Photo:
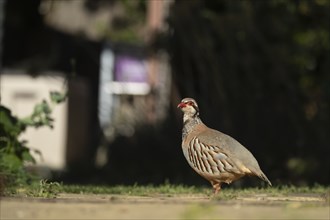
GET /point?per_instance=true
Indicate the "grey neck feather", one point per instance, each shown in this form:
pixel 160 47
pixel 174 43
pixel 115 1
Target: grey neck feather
pixel 189 123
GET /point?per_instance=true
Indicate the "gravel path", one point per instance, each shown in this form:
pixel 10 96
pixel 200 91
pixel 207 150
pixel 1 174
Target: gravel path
pixel 82 206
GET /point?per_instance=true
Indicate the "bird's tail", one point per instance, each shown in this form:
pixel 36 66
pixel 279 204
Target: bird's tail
pixel 262 176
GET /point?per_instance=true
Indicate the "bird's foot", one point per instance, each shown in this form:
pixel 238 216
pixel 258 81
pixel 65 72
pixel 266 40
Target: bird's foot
pixel 216 188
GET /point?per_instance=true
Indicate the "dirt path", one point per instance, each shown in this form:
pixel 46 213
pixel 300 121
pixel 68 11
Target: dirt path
pixel 77 206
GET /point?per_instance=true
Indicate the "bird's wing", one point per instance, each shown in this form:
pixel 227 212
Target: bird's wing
pixel 230 147
pixel 211 158
pixel 222 153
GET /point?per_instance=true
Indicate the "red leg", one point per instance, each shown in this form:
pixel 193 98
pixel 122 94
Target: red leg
pixel 216 187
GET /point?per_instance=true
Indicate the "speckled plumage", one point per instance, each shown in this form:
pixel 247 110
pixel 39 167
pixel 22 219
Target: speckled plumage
pixel 212 154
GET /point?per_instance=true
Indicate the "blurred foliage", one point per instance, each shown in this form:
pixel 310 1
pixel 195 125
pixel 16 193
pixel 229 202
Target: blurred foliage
pixel 261 68
pixel 14 152
pixel 128 26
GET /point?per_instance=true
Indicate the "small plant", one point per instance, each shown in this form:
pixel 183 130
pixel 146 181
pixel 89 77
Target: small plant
pixel 14 153
pixel 46 189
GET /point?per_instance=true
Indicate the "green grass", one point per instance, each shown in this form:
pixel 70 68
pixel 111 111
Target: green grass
pixel 52 189
pixel 182 189
pixel 172 190
pixel 137 190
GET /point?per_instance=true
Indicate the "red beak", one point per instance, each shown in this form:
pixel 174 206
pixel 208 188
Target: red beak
pixel 182 105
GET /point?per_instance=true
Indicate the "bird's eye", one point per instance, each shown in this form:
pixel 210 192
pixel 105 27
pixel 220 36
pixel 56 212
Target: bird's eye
pixel 190 103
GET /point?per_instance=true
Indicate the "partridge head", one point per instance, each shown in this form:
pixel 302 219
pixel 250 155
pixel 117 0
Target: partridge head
pixel 214 155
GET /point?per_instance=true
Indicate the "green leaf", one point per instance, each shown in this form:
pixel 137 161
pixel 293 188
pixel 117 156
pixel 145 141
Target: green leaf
pixel 27 121
pixel 8 123
pixel 45 107
pixel 26 156
pixel 57 97
pixel 38 109
pixel 11 161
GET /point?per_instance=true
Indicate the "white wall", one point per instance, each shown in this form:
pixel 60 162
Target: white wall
pixel 21 93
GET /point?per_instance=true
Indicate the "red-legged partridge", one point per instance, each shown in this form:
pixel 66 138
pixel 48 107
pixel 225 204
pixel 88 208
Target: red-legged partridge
pixel 214 155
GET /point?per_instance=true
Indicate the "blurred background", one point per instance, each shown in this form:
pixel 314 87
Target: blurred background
pixel 259 71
